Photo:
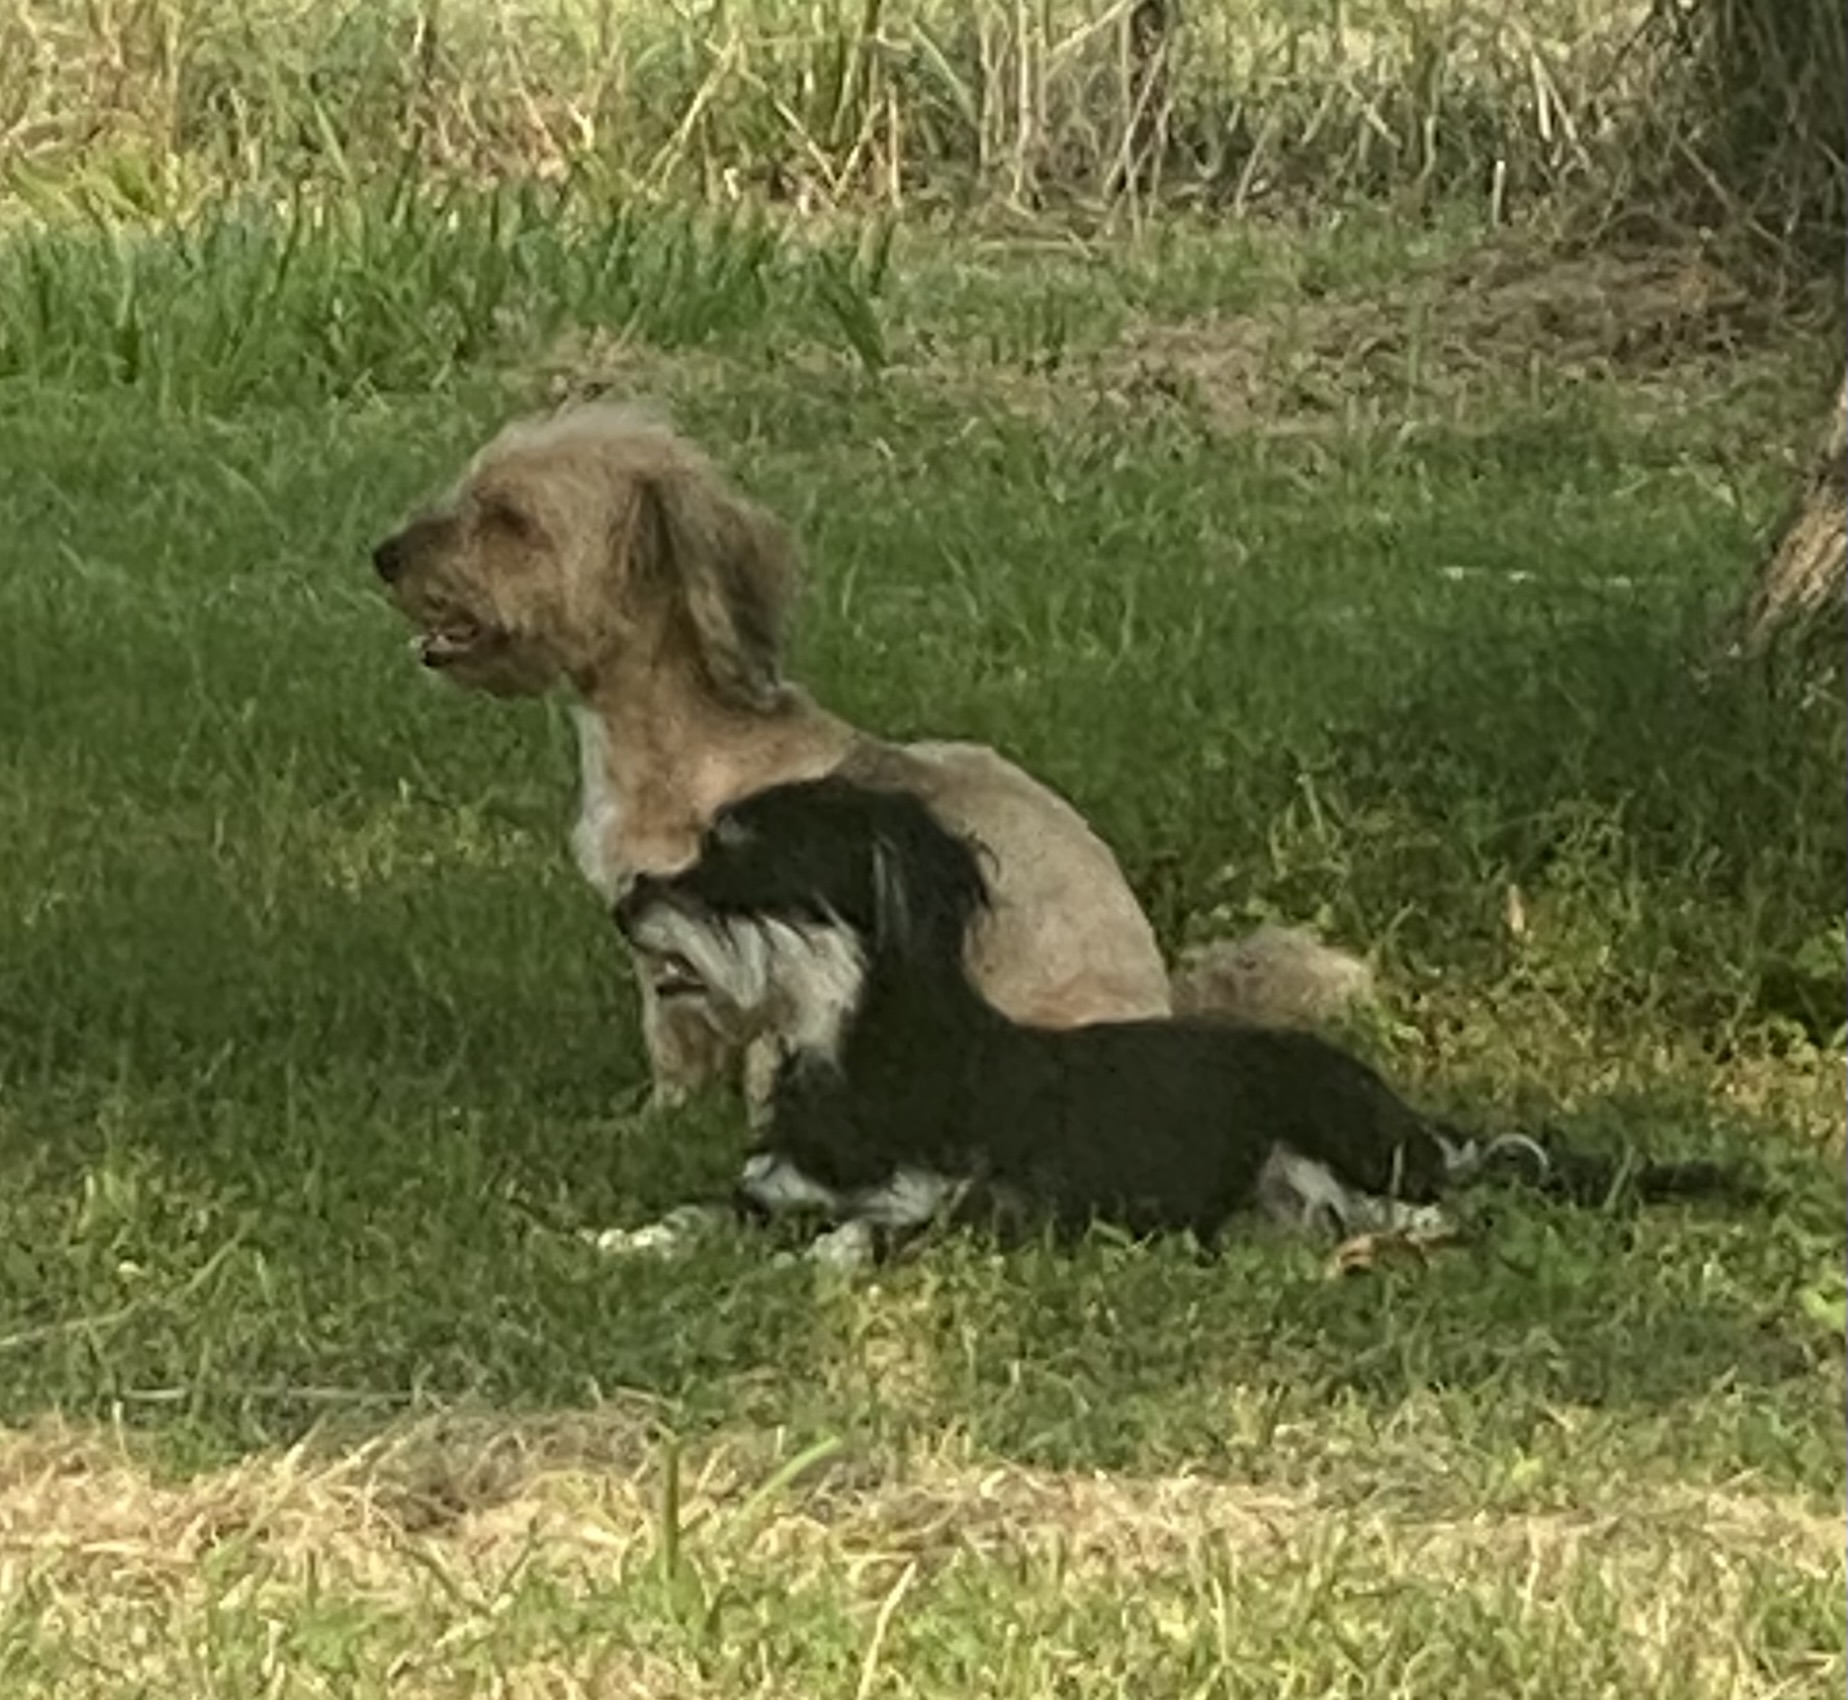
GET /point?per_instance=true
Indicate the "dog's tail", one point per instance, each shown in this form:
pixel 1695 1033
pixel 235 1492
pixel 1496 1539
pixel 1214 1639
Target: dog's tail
pixel 1581 1178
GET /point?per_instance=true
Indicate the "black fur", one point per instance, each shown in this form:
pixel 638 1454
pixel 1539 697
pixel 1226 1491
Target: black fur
pixel 1152 1125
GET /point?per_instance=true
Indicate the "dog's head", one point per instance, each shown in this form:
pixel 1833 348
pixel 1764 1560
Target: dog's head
pixel 578 546
pixel 801 889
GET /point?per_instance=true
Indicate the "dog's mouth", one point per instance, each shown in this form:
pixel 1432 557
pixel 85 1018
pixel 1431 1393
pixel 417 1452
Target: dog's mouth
pixel 655 938
pixel 446 644
pixel 673 976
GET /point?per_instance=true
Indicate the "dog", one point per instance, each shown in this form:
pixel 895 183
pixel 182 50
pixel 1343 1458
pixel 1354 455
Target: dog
pixel 599 550
pixel 836 912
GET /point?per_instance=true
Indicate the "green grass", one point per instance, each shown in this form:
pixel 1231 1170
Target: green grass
pixel 1325 592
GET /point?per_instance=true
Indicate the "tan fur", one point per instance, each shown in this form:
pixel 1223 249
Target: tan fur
pixel 594 541
pixel 601 550
pixel 1276 974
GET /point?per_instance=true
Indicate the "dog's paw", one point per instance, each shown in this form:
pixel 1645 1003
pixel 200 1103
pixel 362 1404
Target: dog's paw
pixel 850 1246
pixel 676 1232
pixel 1428 1222
pixel 666 1096
pixel 1362 1213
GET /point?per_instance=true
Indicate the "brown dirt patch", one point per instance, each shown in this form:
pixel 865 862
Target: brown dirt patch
pixel 1431 345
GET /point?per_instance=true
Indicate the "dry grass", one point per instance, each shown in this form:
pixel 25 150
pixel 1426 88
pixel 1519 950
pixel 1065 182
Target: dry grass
pixel 1443 344
pixel 1106 102
pixel 1716 110
pixel 590 1484
pixel 453 1531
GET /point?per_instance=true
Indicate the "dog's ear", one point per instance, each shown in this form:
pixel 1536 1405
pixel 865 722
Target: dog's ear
pixel 730 565
pixel 894 930
pixel 927 882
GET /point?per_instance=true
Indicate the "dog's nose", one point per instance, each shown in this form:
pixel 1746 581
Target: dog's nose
pixel 388 558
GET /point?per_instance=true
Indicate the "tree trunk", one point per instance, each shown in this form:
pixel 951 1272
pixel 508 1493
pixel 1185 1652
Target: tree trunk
pixel 1806 574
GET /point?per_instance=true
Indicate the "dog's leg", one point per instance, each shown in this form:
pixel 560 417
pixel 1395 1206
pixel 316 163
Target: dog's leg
pixel 686 1050
pixel 773 1184
pixel 763 1062
pixel 883 1219
pixel 769 1186
pixel 1305 1195
pixel 680 1230
pixel 1009 1219
pixel 853 1245
pixel 1300 1194
pixel 876 1220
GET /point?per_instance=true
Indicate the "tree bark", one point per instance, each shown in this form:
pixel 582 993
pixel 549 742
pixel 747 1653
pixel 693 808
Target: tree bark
pixel 1806 574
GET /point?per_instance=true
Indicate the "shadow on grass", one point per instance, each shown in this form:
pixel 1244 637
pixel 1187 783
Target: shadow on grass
pixel 1674 841
pixel 281 1149
pixel 234 1266
pixel 299 1109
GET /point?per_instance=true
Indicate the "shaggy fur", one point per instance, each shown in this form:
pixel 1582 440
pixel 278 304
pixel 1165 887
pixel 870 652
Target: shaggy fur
pixel 600 550
pixel 839 911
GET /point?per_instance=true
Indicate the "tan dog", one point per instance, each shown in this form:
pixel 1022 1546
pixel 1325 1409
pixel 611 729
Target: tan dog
pixel 601 550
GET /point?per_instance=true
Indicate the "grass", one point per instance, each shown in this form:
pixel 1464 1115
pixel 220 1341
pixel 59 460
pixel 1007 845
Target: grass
pixel 1359 575
pixel 1102 101
pixel 562 1574
pixel 1717 116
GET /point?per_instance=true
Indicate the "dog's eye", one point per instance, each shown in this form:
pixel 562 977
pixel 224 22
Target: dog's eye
pixel 508 518
pixel 729 832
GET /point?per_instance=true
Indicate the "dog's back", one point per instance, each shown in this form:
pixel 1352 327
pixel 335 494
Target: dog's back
pixel 1171 1124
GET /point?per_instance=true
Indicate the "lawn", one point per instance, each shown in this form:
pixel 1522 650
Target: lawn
pixel 1361 575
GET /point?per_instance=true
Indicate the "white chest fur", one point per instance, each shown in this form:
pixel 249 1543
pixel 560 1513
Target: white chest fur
pixel 598 832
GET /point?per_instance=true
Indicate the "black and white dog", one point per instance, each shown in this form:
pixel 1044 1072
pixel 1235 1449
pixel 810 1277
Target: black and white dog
pixel 832 917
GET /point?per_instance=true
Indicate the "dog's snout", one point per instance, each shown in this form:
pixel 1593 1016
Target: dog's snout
pixel 389 558
pixel 629 908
